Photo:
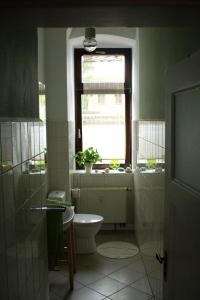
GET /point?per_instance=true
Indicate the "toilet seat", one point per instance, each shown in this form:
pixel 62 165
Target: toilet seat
pixel 87 218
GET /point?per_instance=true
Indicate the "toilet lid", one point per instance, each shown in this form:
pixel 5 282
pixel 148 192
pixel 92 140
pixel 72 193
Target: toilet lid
pixel 87 218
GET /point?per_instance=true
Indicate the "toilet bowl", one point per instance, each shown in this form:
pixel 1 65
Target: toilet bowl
pixel 86 227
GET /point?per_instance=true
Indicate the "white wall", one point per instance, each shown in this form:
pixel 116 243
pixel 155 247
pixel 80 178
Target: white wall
pixel 57 114
pixel 159 49
pixel 41 72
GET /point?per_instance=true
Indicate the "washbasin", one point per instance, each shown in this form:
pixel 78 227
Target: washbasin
pixel 68 216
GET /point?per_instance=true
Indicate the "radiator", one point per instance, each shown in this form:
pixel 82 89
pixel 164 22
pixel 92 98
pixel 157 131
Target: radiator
pixel 109 202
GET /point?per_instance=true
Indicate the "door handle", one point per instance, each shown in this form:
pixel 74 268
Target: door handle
pixel 49 209
pixel 163 260
pixel 160 258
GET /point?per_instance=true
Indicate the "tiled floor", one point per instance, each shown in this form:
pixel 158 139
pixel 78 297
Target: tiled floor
pixel 99 278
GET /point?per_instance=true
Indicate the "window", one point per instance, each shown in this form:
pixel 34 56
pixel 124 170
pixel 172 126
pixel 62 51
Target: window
pixel 103 103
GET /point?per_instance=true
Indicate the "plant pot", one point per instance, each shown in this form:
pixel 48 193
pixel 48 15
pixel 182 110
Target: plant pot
pixel 88 168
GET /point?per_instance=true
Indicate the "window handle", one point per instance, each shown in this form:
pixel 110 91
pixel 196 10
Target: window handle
pixel 79 133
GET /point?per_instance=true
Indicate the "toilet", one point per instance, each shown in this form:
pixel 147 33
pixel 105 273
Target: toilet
pixel 86 226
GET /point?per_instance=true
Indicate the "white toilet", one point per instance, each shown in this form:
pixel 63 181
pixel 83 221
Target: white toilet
pixel 86 226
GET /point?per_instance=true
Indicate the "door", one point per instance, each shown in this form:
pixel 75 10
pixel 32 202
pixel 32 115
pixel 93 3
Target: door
pixel 182 235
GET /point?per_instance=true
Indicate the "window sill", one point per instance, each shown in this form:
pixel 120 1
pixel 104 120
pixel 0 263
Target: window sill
pixel 101 172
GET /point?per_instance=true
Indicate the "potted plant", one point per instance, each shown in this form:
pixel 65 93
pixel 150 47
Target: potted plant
pixel 151 163
pixel 87 158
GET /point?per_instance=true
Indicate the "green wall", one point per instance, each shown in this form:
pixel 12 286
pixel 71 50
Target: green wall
pixel 160 48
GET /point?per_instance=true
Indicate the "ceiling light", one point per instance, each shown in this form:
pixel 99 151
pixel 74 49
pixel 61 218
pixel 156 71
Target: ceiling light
pixel 90 42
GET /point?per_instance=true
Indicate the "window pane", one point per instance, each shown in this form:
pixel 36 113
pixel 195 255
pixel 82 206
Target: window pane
pixel 103 68
pixel 103 125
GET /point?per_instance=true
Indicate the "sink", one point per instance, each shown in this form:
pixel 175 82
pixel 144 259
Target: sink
pixel 68 216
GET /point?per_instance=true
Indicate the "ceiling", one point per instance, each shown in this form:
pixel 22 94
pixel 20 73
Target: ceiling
pixel 108 13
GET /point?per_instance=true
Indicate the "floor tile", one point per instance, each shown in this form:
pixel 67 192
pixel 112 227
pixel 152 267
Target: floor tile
pixel 142 285
pixel 84 294
pixel 87 275
pixel 59 284
pixel 130 293
pixel 138 266
pixel 99 277
pixel 106 286
pixel 84 260
pixel 156 286
pixel 126 275
pixel 112 235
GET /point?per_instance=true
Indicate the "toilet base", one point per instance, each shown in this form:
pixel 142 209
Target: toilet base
pixel 85 245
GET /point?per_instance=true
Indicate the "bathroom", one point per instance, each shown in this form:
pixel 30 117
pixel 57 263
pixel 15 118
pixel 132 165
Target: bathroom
pixel 24 260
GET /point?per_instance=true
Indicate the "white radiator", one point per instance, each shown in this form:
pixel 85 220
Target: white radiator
pixel 109 202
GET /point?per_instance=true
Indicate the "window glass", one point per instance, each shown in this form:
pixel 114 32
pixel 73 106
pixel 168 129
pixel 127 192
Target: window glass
pixel 103 125
pixel 103 68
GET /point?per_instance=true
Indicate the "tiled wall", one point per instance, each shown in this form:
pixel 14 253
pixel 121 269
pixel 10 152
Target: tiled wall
pixel 23 251
pixel 149 220
pixel 57 156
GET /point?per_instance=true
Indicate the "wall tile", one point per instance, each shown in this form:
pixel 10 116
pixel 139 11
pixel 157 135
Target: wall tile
pixel 43 142
pixel 25 183
pixel 6 142
pixel 3 260
pixel 4 287
pixel 149 201
pixel 2 220
pixel 30 289
pixel 12 276
pixel 16 143
pixel 61 129
pixel 61 144
pixel 0 148
pixel 51 129
pixel 18 192
pixel 18 188
pixel 24 141
pixel 35 181
pixel 31 140
pixel 71 144
pixel 8 194
pixel 28 257
pixel 36 127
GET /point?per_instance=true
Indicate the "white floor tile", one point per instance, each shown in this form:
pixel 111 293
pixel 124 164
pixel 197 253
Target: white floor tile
pixel 142 285
pixel 106 286
pixel 130 293
pixel 84 294
pixel 126 275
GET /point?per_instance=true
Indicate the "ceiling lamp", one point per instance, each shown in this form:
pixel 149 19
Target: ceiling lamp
pixel 90 42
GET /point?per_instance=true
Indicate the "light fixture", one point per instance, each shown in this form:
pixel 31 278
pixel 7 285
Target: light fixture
pixel 90 42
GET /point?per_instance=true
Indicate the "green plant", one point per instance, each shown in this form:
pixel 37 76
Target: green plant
pixel 151 163
pixel 89 155
pixel 114 164
pixel 40 164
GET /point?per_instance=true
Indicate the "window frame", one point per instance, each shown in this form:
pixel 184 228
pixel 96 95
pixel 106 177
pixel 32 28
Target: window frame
pixel 78 88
